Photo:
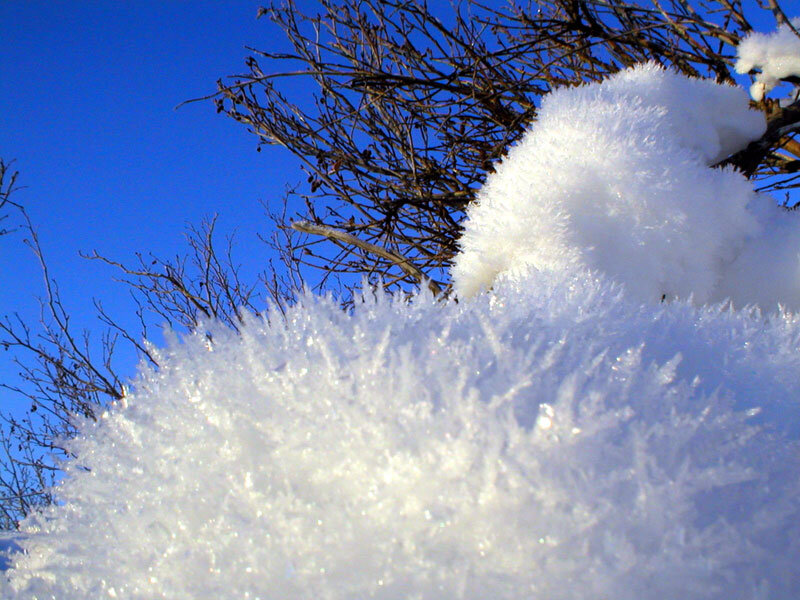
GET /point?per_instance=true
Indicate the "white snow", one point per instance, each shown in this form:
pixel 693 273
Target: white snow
pixel 553 440
pixel 616 177
pixel 567 436
pixel 776 55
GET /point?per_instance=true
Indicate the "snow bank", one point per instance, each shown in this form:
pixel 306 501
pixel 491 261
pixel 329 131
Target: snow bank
pixel 556 439
pixel 615 177
pixel 776 55
pixel 551 441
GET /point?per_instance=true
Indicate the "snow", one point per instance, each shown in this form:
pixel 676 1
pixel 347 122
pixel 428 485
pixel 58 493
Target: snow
pixel 615 177
pixel 554 440
pixel 776 55
pixel 566 436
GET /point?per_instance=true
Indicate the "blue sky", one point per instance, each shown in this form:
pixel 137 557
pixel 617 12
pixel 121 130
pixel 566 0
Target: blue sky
pixel 89 91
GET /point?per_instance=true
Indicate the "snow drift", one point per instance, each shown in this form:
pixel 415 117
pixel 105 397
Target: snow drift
pixel 551 441
pixel 556 439
pixel 616 177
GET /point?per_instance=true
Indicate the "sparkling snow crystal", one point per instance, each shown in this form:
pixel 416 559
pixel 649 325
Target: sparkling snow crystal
pixel 555 439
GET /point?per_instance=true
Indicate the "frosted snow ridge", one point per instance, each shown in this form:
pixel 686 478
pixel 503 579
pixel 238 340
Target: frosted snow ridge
pixel 567 436
pixel 551 441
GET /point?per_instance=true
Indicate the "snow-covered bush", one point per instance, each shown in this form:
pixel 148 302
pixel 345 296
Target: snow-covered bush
pixel 554 440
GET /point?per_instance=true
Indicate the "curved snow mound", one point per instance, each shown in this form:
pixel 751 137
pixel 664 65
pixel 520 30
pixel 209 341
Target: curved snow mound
pixel 615 176
pixel 553 441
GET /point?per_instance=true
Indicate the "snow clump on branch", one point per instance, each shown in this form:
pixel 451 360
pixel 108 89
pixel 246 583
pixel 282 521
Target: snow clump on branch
pixel 616 177
pixel 776 55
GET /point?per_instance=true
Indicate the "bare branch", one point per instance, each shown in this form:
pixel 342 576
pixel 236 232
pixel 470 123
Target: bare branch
pixel 346 238
pixel 8 185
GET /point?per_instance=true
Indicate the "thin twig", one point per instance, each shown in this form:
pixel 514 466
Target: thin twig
pixel 346 238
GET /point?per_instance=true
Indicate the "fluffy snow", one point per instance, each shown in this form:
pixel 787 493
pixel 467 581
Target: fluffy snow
pixel 554 440
pixel 567 436
pixel 615 177
pixel 776 55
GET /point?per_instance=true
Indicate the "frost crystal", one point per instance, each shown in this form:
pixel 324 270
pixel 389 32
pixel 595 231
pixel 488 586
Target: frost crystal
pixel 563 443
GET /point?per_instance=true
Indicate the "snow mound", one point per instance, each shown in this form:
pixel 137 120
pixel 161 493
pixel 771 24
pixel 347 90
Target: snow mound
pixel 551 441
pixel 776 54
pixel 615 176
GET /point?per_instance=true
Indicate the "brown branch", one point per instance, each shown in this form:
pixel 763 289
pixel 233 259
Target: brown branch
pixel 781 122
pixel 780 16
pixel 346 238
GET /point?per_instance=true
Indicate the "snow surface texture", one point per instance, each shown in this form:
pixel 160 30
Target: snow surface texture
pixel 776 55
pixel 615 177
pixel 551 441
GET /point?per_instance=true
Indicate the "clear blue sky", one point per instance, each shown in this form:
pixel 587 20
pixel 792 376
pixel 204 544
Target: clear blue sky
pixel 88 92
